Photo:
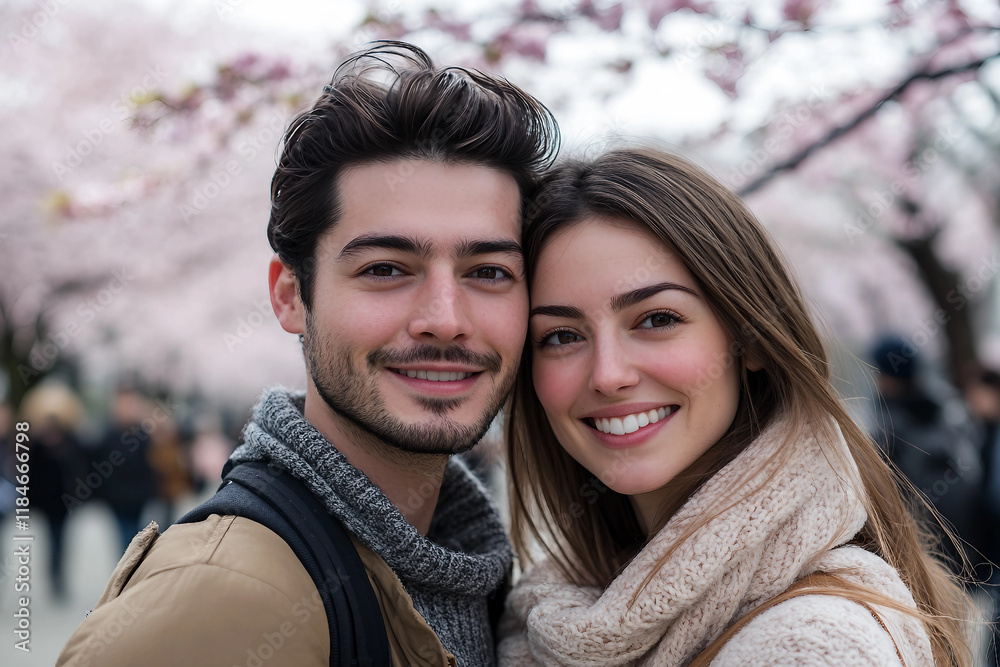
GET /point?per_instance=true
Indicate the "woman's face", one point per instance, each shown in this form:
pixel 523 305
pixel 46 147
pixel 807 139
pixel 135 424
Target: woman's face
pixel 636 374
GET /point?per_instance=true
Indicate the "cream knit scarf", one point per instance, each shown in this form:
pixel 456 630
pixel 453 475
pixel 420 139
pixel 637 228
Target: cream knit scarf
pixel 746 555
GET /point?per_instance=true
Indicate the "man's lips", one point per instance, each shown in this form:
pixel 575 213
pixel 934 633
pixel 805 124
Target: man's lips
pixel 434 375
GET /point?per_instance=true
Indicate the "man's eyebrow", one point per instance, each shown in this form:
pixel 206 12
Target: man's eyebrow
pixel 489 247
pixel 557 311
pixel 386 241
pixel 623 301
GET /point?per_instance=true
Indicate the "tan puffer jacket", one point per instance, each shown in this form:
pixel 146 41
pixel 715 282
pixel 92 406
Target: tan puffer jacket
pixel 227 591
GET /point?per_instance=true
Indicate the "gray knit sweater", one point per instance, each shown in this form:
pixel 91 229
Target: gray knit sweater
pixel 448 573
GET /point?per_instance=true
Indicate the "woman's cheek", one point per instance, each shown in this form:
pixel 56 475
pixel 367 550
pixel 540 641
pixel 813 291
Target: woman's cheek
pixel 551 382
pixel 681 369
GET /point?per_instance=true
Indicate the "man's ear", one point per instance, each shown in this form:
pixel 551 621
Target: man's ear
pixel 285 299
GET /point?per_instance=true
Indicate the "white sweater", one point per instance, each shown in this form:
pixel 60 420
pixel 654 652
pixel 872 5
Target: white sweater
pixel 776 534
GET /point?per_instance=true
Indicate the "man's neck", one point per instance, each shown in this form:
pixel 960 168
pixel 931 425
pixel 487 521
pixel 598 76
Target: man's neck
pixel 410 481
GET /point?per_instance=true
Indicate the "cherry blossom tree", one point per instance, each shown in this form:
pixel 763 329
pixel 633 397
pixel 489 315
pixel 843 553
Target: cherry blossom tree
pixel 864 135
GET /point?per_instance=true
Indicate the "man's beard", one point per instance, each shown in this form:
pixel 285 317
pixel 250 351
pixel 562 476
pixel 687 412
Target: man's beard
pixel 355 394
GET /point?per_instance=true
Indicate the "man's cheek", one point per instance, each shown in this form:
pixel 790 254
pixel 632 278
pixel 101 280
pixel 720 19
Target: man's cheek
pixel 508 326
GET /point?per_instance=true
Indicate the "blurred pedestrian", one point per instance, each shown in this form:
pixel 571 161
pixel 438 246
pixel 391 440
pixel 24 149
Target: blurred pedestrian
pixel 54 413
pixel 123 454
pixel 981 389
pixel 169 457
pixel 982 395
pixel 928 434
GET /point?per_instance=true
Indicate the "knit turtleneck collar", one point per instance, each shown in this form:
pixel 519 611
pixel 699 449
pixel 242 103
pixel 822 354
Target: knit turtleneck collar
pixel 783 527
pixel 466 551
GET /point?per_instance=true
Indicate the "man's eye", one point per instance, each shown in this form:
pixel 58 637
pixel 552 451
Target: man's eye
pixel 383 270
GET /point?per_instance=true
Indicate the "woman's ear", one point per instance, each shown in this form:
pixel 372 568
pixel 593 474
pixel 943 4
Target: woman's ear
pixel 753 359
pixel 285 300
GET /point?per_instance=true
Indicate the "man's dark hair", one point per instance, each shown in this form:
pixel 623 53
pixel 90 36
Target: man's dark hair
pixel 390 102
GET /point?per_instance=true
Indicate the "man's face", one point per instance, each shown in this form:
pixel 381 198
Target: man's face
pixel 419 305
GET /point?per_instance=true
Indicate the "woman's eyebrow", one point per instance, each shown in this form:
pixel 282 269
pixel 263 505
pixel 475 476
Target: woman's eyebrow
pixel 557 311
pixel 618 303
pixel 623 301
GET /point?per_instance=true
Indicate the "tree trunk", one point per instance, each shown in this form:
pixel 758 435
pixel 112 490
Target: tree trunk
pixel 953 309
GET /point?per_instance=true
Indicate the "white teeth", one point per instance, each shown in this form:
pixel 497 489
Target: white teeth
pixel 631 423
pixel 435 376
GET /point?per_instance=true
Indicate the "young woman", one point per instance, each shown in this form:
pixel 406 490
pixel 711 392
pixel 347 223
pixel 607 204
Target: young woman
pixel 677 451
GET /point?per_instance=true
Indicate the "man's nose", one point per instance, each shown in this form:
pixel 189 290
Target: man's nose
pixel 440 311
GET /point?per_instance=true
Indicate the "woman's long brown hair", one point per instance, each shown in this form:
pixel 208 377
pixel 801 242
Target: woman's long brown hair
pixel 591 531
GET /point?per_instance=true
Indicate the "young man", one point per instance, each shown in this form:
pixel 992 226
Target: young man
pixel 396 212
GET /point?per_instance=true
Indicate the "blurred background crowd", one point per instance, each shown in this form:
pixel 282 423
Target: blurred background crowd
pixel 142 454
pixel 139 137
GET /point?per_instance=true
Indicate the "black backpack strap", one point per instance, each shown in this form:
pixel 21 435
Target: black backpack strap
pixel 280 502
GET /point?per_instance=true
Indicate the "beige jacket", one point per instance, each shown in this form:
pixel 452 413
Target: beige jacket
pixel 227 591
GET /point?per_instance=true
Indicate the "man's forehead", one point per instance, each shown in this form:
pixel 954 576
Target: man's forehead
pixel 376 193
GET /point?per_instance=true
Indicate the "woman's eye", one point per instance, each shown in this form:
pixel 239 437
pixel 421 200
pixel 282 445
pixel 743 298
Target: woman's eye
pixel 658 320
pixel 490 273
pixel 557 338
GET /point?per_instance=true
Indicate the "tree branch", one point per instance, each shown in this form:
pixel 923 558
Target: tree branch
pixel 837 132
